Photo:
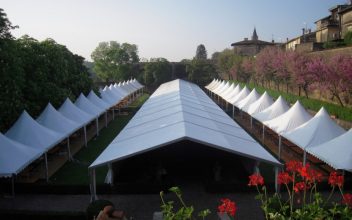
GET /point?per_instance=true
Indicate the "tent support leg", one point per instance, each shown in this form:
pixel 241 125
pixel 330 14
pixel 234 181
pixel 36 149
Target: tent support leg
pixel 85 135
pixel 113 113
pixel 112 174
pixel 68 149
pixel 46 167
pixel 279 154
pixel 106 119
pixel 93 192
pixel 251 123
pixel 13 185
pixel 276 183
pixel 304 157
pixel 233 111
pixel 97 125
pixel 263 132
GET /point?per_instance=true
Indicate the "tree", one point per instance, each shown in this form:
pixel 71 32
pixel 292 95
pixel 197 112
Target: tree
pixel 200 72
pixel 201 53
pixel 157 71
pixel 224 62
pixel 114 61
pixel 5 26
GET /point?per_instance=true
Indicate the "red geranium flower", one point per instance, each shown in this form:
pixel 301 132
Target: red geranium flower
pixel 293 166
pixel 335 179
pixel 300 186
pixel 284 178
pixel 227 206
pixel 347 199
pixel 255 180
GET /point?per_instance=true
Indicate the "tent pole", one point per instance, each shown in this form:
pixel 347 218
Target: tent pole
pixel 106 119
pixel 279 146
pixel 68 149
pixel 263 132
pixel 276 183
pixel 251 122
pixel 46 167
pixel 227 105
pixel 112 174
pixel 233 111
pixel 13 185
pixel 113 113
pixel 97 125
pixel 304 157
pixel 93 192
pixel 85 135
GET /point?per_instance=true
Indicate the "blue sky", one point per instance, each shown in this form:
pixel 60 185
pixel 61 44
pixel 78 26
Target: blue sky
pixel 163 28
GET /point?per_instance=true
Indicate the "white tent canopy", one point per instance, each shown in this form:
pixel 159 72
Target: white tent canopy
pixel 97 101
pixel 233 93
pixel 262 103
pixel 319 129
pixel 228 90
pixel 87 106
pixel 336 152
pixel 252 97
pixel 276 109
pixel 29 132
pixel 211 83
pixel 244 93
pixel 15 156
pixel 69 110
pixel 291 119
pixel 157 124
pixel 54 120
pixel 109 98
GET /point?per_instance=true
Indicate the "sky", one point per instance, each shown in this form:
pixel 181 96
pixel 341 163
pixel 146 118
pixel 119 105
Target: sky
pixel 163 28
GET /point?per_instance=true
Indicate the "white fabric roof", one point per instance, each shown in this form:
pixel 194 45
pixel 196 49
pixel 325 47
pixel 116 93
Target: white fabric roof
pixel 70 111
pixel 291 119
pixel 243 94
pixel 319 129
pixel 233 93
pixel 136 83
pixel 87 106
pixel 228 90
pixel 108 97
pixel 210 84
pixel 262 103
pixel 215 85
pixel 14 156
pixel 219 87
pixel 179 110
pixel 116 92
pixel 55 121
pixel 29 132
pixel 98 101
pixel 276 109
pixel 224 88
pixel 336 152
pixel 252 97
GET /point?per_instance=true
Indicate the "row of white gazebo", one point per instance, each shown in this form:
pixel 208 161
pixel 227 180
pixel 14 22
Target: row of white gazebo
pixel 28 139
pixel 320 136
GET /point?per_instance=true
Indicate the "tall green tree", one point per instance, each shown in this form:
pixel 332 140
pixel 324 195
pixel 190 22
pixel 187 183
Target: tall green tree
pixel 114 61
pixel 157 71
pixel 201 53
pixel 201 72
pixel 5 26
pixel 224 61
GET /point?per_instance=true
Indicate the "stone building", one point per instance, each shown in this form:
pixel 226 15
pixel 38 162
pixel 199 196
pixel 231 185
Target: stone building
pixel 251 47
pixel 345 20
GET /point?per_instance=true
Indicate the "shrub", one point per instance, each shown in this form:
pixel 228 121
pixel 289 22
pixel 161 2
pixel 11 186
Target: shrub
pixel 348 38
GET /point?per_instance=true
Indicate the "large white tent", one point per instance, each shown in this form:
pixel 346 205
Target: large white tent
pixel 336 152
pixel 288 121
pixel 228 90
pixel 262 103
pixel 179 110
pixel 55 121
pixel 319 129
pixel 29 132
pixel 69 110
pixel 241 95
pixel 233 93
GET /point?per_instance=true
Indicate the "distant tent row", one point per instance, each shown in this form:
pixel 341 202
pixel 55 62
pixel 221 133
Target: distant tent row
pixel 28 139
pixel 319 135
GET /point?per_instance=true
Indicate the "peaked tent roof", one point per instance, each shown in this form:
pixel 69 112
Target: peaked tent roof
pixel 179 110
pixel 224 88
pixel 97 101
pixel 262 103
pixel 29 132
pixel 219 87
pixel 291 119
pixel 336 152
pixel 56 121
pixel 228 90
pixel 252 97
pixel 69 110
pixel 319 129
pixel 240 96
pixel 211 83
pixel 108 98
pixel 276 109
pixel 87 106
pixel 15 156
pixel 136 83
pixel 233 93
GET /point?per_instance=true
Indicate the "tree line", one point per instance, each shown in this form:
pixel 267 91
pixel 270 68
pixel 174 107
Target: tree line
pixel 273 67
pixel 34 73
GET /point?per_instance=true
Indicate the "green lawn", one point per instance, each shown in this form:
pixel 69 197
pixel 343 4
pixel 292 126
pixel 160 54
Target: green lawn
pixel 340 112
pixel 76 173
